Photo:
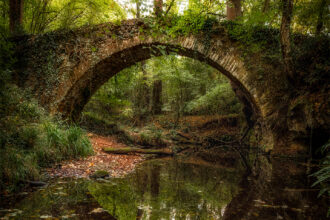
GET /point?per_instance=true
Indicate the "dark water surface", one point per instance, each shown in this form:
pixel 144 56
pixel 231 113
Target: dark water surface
pixel 177 189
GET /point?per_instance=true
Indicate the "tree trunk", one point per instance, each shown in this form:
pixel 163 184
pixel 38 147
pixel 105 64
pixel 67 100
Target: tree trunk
pixel 169 7
pixel 287 6
pixel 157 97
pixel 265 6
pixel 234 9
pixel 158 7
pixel 157 84
pixel 320 18
pixel 138 11
pixel 145 99
pixel 16 16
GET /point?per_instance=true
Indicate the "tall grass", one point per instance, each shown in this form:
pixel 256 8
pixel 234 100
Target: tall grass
pixel 60 142
pixel 37 147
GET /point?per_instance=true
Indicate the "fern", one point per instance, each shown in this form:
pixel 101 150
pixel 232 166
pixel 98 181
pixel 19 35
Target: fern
pixel 323 175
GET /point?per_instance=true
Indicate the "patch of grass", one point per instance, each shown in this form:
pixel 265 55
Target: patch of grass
pixel 37 147
pixel 59 142
pixel 95 123
pixel 145 138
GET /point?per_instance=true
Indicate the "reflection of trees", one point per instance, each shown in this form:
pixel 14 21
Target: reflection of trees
pixel 118 199
pixel 154 180
pixel 59 200
pixel 164 189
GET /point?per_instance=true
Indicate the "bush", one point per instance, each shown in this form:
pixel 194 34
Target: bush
pixel 219 100
pixel 36 146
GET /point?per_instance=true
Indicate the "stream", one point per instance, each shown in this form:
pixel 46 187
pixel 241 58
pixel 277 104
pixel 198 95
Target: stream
pixel 176 188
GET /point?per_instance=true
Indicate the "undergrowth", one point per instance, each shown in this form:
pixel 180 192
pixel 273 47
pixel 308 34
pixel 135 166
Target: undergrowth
pixel 30 139
pixel 323 174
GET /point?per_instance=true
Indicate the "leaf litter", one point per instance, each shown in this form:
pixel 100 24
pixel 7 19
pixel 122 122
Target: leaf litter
pixel 116 165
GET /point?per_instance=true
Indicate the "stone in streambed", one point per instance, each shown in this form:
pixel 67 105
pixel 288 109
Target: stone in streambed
pixel 99 174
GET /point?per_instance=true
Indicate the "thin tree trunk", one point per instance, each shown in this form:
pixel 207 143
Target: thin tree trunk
pixel 169 7
pixel 157 97
pixel 157 84
pixel 287 6
pixel 138 10
pixel 265 6
pixel 143 96
pixel 320 18
pixel 145 99
pixel 234 9
pixel 158 7
pixel 16 16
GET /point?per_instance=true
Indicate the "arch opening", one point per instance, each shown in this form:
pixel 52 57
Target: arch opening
pixel 91 80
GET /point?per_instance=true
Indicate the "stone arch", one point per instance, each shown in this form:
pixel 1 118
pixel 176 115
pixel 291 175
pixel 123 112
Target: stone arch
pixel 78 95
pixel 88 57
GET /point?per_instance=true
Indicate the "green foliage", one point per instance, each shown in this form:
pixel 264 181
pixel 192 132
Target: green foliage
pixel 220 100
pixel 191 22
pixel 323 175
pixel 62 142
pixel 29 138
pixel 69 14
pixel 307 15
pixel 40 16
pixel 28 144
pixel 188 87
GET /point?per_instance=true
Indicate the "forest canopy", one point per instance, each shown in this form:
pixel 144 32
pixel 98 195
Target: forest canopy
pixel 40 16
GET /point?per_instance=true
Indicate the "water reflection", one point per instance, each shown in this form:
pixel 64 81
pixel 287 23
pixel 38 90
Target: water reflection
pixel 179 189
pixel 169 189
pixel 279 190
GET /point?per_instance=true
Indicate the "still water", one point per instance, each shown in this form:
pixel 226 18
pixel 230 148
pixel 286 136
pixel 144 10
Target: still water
pixel 177 189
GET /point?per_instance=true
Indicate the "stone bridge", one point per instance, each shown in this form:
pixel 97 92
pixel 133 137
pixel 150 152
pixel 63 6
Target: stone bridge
pixel 64 69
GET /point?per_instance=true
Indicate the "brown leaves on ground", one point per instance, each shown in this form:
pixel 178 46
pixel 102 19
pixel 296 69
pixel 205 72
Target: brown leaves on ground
pixel 116 165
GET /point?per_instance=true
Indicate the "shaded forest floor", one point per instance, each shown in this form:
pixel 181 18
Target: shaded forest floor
pixel 114 165
pixel 165 131
pixel 201 136
pixel 190 135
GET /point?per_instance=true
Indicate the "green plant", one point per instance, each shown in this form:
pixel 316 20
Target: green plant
pixel 145 138
pixel 323 175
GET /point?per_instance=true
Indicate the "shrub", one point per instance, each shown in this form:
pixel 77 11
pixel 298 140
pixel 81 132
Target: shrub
pixel 219 100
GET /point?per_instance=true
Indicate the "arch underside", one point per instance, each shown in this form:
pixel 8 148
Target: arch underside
pixel 81 91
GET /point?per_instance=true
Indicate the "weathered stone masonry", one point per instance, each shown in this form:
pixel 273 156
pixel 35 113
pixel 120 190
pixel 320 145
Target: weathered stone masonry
pixel 65 69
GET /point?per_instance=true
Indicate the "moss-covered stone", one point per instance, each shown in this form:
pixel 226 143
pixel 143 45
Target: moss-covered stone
pixel 99 174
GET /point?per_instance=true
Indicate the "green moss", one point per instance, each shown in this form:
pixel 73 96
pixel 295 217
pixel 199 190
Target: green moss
pixel 99 174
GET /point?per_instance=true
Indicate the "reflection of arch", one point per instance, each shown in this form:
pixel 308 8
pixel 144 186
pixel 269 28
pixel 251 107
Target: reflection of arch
pixel 273 193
